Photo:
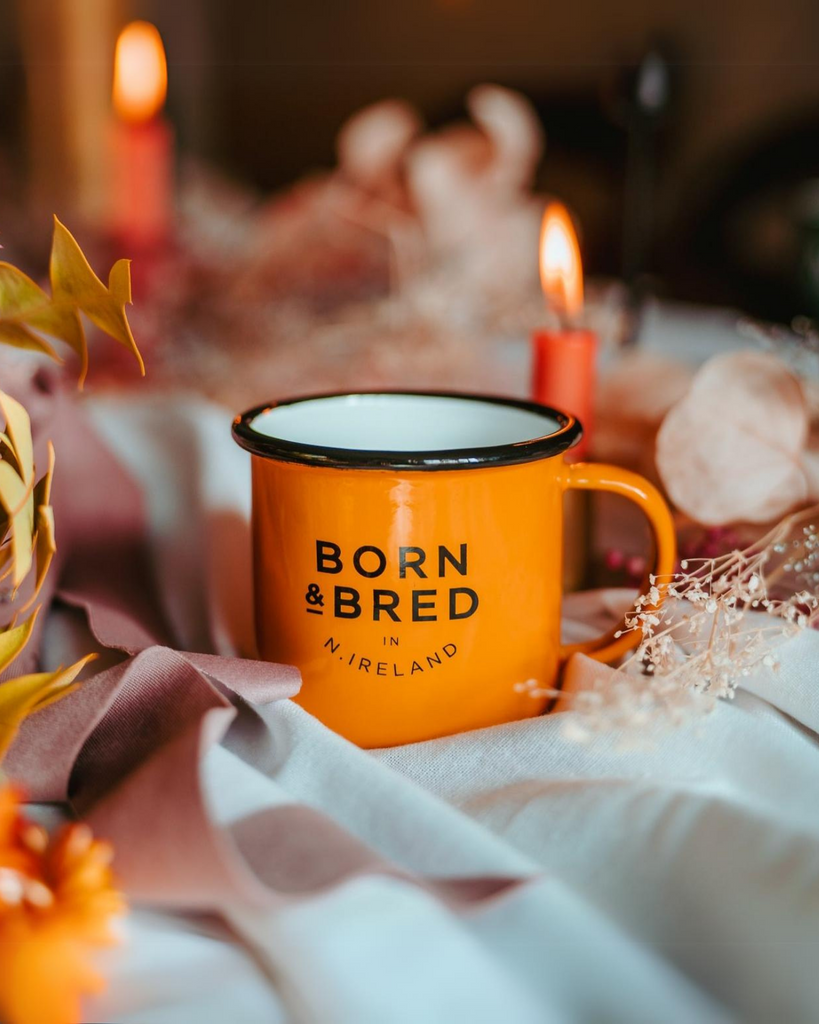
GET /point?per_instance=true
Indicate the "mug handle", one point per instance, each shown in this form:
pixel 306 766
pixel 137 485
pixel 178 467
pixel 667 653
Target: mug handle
pixel 588 476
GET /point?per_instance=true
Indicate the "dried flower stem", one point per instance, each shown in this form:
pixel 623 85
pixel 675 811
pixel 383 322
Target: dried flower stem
pixel 709 634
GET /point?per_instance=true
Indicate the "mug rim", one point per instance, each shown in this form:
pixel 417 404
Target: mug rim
pixel 509 454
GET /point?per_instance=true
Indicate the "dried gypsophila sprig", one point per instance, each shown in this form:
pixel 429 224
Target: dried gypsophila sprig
pixel 721 621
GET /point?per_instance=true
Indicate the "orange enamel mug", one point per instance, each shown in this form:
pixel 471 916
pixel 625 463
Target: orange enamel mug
pixel 407 555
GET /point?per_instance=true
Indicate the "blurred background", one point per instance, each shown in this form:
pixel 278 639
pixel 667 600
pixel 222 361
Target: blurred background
pixel 685 136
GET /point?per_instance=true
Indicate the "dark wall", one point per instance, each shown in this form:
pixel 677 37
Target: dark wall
pixel 261 86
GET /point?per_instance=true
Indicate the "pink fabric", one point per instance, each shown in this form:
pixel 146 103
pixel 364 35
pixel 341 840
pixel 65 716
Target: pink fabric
pixel 128 746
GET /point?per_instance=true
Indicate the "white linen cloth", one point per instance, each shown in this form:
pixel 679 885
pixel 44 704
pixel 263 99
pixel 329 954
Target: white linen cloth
pixel 679 883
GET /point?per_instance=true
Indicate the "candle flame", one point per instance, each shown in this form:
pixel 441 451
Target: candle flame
pixel 561 271
pixel 140 72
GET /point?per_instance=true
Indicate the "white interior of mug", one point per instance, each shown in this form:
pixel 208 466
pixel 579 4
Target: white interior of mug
pixel 402 423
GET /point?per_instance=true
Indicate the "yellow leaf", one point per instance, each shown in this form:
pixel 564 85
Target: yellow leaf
pixel 18 433
pixel 45 546
pixel 24 695
pixel 6 562
pixel 25 305
pixel 43 541
pixel 18 293
pixel 119 282
pixel 7 451
pixel 12 641
pixel 19 336
pixel 18 501
pixel 42 492
pixel 74 282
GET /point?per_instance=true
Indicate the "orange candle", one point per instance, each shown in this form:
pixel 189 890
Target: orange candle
pixel 565 358
pixel 142 141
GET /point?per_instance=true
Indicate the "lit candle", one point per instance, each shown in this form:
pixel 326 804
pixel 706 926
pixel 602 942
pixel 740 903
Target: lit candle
pixel 565 358
pixel 142 158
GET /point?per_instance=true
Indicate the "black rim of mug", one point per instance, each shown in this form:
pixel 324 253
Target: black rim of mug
pixel 514 453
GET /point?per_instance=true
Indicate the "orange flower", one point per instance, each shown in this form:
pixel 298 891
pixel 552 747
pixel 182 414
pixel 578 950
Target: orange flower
pixel 57 903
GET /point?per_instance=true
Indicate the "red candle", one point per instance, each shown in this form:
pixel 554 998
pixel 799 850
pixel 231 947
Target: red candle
pixel 564 358
pixel 142 141
pixel 563 375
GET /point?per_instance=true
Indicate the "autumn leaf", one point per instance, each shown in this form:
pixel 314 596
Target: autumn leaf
pixel 27 534
pixel 27 311
pixel 17 335
pixel 45 544
pixel 18 432
pixel 24 695
pixel 74 283
pixel 22 500
pixel 12 641
pixel 16 501
pixel 17 490
pixel 25 308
